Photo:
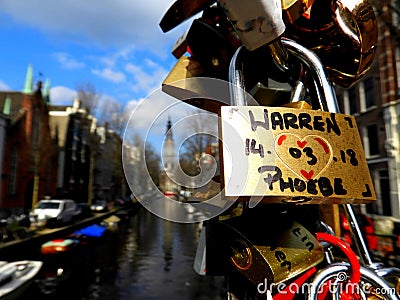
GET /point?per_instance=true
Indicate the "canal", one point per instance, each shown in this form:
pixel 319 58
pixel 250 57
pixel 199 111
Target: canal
pixel 146 257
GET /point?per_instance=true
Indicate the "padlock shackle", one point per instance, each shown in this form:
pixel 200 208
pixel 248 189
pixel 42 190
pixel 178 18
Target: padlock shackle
pixel 327 100
pixel 329 103
pixel 326 95
pixel 324 89
pixel 236 87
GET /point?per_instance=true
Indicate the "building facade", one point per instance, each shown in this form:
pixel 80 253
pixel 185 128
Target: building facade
pixel 169 162
pixel 109 182
pixel 73 129
pixel 375 103
pixel 30 155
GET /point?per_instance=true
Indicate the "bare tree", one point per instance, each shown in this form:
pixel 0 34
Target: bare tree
pixel 89 96
pixel 112 113
pixel 201 132
pixel 145 160
pixel 106 110
pixel 153 163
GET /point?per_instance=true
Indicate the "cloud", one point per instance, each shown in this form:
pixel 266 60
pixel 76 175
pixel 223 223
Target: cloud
pixel 110 75
pixel 148 116
pixel 146 78
pixel 109 23
pixel 67 62
pixel 61 95
pixel 4 86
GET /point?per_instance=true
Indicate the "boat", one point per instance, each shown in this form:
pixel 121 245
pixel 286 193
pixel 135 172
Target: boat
pixel 111 222
pixel 92 231
pixel 58 246
pixel 16 277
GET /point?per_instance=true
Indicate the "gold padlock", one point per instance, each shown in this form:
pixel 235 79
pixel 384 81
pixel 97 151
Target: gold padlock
pixel 293 155
pixel 274 257
pixel 185 83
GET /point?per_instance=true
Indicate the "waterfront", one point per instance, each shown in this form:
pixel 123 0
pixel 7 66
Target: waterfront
pixel 145 258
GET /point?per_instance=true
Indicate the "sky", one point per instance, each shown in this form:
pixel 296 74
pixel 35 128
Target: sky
pixel 116 45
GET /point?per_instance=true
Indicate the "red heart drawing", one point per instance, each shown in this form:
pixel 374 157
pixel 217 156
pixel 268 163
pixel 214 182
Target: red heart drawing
pixel 301 144
pixel 307 157
pixel 307 175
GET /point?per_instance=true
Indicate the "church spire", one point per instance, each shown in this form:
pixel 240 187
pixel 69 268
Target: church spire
pixel 46 92
pixel 168 132
pixel 28 87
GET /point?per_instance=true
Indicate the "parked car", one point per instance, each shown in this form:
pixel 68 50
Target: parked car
pixel 99 206
pixel 85 211
pixel 54 212
pixel 14 224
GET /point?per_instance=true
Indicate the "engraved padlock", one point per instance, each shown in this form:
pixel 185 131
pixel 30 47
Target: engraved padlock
pixel 285 154
pixel 257 22
pixel 273 256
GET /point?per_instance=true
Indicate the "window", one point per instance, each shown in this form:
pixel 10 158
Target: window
pixel 48 178
pixel 371 140
pixel 369 93
pixel 342 103
pixel 48 205
pixel 397 55
pixel 12 187
pixel 384 187
pixel 352 100
pixel 395 14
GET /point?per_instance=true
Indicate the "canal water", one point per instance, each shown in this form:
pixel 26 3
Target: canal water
pixel 145 258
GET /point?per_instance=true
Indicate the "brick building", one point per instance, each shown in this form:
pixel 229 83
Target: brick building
pixel 375 103
pixel 29 163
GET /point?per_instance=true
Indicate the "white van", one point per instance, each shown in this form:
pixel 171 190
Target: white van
pixel 53 212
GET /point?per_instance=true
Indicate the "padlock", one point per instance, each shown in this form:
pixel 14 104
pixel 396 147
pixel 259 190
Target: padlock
pixel 262 255
pixel 292 10
pixel 257 22
pixel 291 155
pixel 180 46
pixel 180 11
pixel 185 83
pixel 210 48
pixel 270 96
pixel 344 34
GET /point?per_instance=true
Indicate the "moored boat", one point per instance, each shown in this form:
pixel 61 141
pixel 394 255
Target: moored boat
pixel 16 277
pixel 58 246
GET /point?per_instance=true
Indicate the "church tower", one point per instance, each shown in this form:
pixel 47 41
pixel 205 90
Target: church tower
pixel 169 161
pixel 168 154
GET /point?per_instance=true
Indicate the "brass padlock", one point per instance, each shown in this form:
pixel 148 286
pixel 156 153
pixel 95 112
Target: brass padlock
pixel 184 82
pixel 275 256
pixel 277 154
pixel 294 155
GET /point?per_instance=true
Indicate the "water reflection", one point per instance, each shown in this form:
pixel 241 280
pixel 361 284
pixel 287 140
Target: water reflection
pixel 151 259
pixel 145 258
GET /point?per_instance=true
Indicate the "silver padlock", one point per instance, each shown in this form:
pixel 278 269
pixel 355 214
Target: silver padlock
pixel 257 22
pixel 324 90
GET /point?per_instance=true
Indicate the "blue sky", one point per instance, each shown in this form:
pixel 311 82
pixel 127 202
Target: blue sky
pixel 116 45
